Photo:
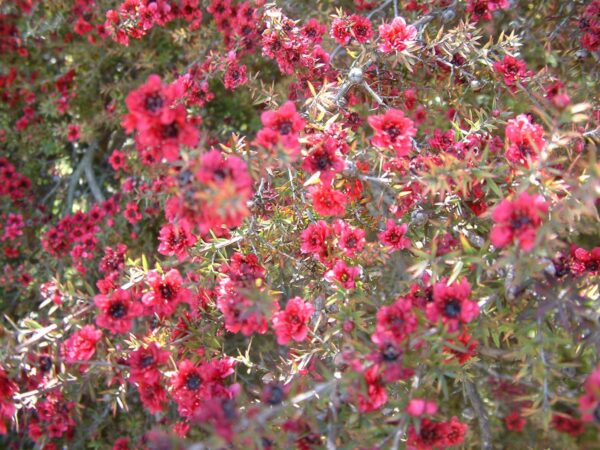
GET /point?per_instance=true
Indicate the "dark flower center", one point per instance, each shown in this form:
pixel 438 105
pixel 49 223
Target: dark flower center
pixel 192 382
pixel 45 363
pixel 323 162
pixel 276 395
pixel 285 127
pixel 361 30
pixel 390 353
pixel 520 221
pixel 154 102
pixel 221 173
pixel 351 242
pixel 147 361
pixel 452 308
pixel 392 131
pixel 170 131
pixel 166 291
pixel 117 310
pixel 597 414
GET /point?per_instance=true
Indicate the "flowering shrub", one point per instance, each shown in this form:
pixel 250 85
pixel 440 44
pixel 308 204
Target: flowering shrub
pixel 368 224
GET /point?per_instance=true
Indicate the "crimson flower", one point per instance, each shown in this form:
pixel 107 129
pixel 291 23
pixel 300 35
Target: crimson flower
pixel 118 311
pixel 343 274
pixel 518 220
pixel 451 304
pixel 166 292
pixel 327 201
pixel 394 236
pixel 144 362
pixel 291 323
pixel 394 130
pixel 81 345
pixel 396 36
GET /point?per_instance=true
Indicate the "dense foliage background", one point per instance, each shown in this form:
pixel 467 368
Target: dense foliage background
pixel 317 224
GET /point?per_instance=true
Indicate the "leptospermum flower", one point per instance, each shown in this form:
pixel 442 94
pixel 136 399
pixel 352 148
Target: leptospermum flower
pixel 81 345
pixel 436 434
pixel 452 304
pixel 176 239
pixel 394 323
pixel 396 36
pixel 393 130
pixel 327 201
pixel 118 311
pixel 144 362
pixel 589 402
pixel 518 220
pixel 394 236
pixel 343 274
pixel 166 292
pixel 291 323
pixel 282 125
pixel 526 139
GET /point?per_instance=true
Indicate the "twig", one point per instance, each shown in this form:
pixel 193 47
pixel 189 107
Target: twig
pixel 89 173
pixel 482 417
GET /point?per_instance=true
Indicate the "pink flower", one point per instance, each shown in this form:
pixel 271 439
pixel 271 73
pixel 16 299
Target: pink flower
pixel 314 238
pixel 143 363
pixel 518 220
pixel 394 323
pixel 452 304
pixel 589 402
pixel 118 311
pixel 394 236
pixel 526 139
pixel 327 201
pixel 286 123
pixel 81 345
pixel 166 292
pixel 396 36
pixel 343 274
pixel 73 132
pixel 176 239
pixel 376 395
pixel 350 239
pixel 418 407
pixel 291 323
pixel 513 70
pixel 482 9
pixel 394 130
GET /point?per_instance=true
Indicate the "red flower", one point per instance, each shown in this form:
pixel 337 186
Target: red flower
pixel 344 29
pixel 466 348
pixel 7 408
pixel 193 384
pixel 396 36
pixel 589 402
pixel 118 311
pixel 144 362
pixel 376 395
pixel 166 292
pixel 567 424
pixel 73 132
pixel 350 239
pixel 325 158
pixel 513 70
pixel 394 130
pixel 132 213
pixel 285 123
pixel 482 9
pixel 314 238
pixel 117 160
pixel 291 323
pixel 452 304
pixel 153 396
pixel 394 236
pixel 327 201
pixel 583 261
pixel 235 75
pixel 518 220
pixel 526 140
pixel 394 323
pixel 81 345
pixel 436 434
pixel 515 422
pixel 176 239
pixel 343 274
